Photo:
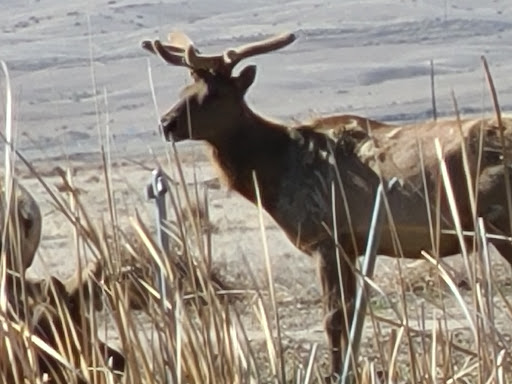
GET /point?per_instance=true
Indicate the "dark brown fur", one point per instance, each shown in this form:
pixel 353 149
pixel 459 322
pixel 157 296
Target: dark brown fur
pixel 298 168
pixel 59 314
pixel 24 228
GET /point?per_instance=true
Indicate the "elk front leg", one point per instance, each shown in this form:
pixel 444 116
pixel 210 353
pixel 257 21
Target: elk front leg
pixel 337 303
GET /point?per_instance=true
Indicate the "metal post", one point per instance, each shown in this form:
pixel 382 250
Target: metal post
pixel 367 269
pixel 156 190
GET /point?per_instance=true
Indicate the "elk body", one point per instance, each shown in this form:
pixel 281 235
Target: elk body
pixel 318 180
pixel 59 313
pixel 54 311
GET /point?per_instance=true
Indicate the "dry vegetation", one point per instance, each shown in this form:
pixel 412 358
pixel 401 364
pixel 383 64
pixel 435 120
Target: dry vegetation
pixel 430 328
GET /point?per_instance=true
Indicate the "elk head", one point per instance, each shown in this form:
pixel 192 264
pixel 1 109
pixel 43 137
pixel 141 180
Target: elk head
pixel 213 103
pixel 22 224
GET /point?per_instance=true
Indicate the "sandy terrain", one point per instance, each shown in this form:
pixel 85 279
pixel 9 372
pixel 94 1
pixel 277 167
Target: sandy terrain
pixel 370 58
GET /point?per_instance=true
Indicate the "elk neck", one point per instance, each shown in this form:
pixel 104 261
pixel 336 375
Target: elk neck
pixel 257 146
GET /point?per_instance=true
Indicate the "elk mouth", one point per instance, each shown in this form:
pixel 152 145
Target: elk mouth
pixel 170 130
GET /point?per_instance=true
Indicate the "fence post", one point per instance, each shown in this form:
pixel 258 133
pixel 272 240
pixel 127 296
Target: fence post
pixel 156 190
pixel 367 268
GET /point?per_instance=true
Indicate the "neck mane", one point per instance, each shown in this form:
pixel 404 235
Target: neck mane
pixel 254 145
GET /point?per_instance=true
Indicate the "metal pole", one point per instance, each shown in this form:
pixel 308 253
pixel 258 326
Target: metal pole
pixel 156 190
pixel 367 269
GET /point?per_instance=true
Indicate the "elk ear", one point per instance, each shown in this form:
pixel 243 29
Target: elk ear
pixel 246 78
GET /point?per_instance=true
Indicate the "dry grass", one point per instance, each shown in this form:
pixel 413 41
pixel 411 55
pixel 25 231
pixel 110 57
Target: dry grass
pixel 200 334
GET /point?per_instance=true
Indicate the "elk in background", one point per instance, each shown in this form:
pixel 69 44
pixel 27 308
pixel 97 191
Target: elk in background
pixel 318 180
pixel 57 312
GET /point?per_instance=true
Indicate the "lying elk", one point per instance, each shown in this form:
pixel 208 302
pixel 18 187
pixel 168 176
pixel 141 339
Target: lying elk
pixel 304 171
pixel 58 313
pixel 23 229
pixel 54 311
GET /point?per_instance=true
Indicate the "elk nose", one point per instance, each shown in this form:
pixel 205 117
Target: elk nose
pixel 166 123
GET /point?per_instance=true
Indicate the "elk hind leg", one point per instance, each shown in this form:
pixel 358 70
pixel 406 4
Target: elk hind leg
pixel 337 302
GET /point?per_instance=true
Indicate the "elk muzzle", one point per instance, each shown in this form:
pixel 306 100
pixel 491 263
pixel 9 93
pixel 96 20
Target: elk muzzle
pixel 169 126
pixel 173 128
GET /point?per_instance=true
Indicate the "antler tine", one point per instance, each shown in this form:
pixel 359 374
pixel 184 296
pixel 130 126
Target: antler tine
pixel 233 56
pixel 148 46
pixel 179 39
pixel 169 53
pixel 197 61
pixel 173 50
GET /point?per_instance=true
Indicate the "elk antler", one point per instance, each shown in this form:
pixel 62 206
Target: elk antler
pixel 172 51
pixel 234 56
pixel 179 40
pixel 167 52
pixel 179 50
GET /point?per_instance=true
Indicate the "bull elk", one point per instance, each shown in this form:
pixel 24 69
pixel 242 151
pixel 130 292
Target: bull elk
pixel 318 179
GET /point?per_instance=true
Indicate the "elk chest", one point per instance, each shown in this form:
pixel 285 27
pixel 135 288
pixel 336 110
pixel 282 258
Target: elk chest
pixel 321 184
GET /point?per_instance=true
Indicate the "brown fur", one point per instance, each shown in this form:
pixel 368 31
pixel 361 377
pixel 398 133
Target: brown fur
pixel 297 169
pixel 57 312
pixel 24 232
